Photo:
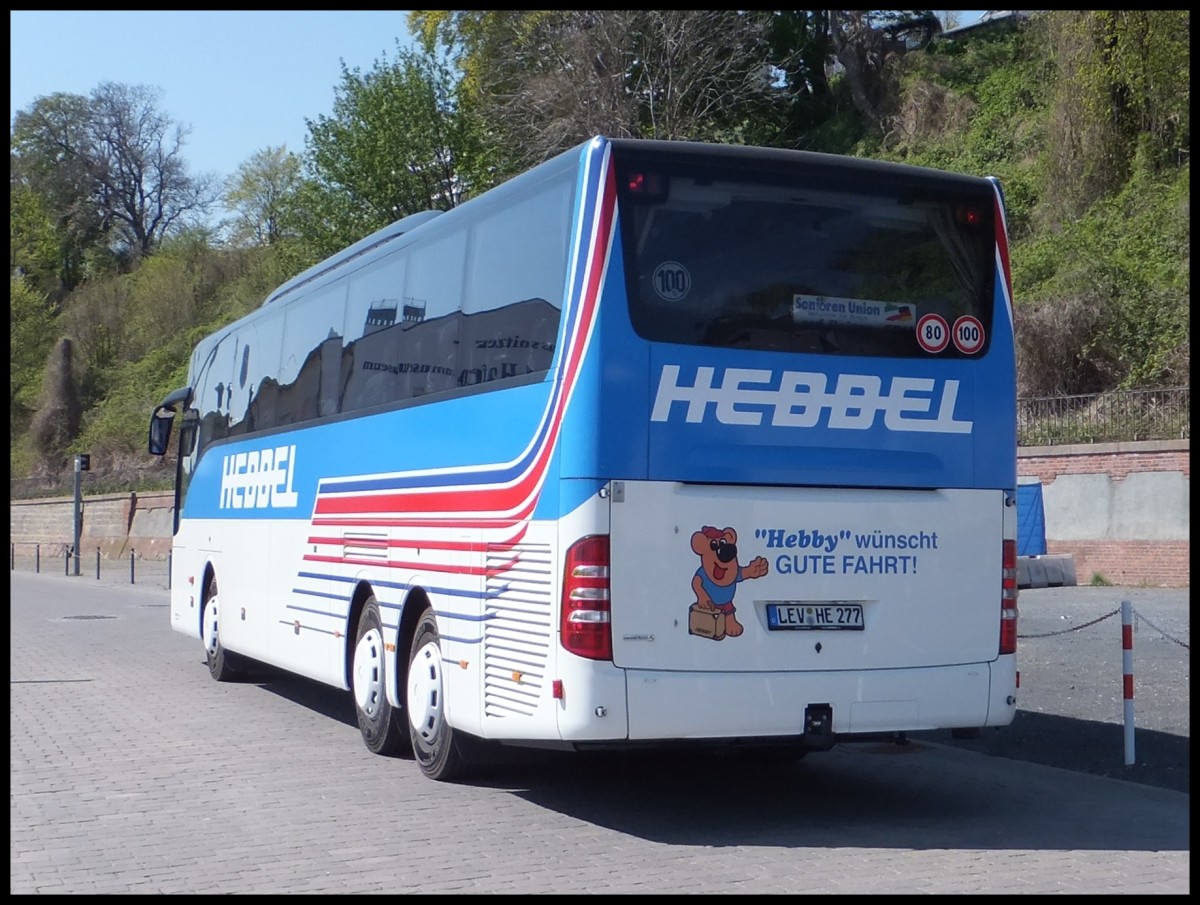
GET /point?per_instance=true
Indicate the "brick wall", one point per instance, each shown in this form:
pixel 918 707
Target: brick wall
pixel 116 524
pixel 1115 552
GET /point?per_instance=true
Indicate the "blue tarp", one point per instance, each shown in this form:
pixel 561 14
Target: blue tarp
pixel 1031 521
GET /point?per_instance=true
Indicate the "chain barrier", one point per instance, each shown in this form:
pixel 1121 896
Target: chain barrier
pixel 1138 617
pixel 1073 628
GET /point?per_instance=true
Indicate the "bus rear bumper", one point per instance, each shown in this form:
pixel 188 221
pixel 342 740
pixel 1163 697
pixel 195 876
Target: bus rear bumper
pixel 748 705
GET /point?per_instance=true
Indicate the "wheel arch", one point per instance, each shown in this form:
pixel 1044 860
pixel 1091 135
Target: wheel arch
pixel 363 591
pixel 416 601
pixel 206 582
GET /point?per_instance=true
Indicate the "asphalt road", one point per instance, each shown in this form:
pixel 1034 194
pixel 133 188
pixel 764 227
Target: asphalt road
pixel 131 771
pixel 1071 705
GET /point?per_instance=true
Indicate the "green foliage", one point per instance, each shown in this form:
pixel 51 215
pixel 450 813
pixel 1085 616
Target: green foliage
pixel 33 242
pixel 388 150
pixel 32 332
pixel 259 193
pixel 1131 255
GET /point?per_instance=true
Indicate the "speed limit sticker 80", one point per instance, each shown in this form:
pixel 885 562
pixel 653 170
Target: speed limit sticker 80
pixel 968 334
pixel 933 333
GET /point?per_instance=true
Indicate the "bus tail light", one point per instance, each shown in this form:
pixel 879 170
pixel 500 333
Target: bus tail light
pixel 1008 598
pixel 586 629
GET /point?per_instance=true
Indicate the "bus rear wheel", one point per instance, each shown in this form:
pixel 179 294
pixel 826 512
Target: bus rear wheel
pixel 435 746
pixel 222 665
pixel 380 723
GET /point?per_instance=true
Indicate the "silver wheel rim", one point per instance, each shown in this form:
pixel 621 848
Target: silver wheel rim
pixel 209 629
pixel 368 673
pixel 425 699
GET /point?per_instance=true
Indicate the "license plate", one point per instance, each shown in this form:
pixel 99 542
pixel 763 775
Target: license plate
pixel 830 615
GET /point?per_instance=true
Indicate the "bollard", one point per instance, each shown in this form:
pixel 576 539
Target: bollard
pixel 1127 664
pixel 131 567
pixel 97 564
pixel 37 559
pixel 66 561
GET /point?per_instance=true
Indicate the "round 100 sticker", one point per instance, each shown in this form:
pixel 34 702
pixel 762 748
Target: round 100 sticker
pixel 671 281
pixel 933 333
pixel 968 334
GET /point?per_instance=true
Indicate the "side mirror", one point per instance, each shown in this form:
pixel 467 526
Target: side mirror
pixel 160 430
pixel 163 418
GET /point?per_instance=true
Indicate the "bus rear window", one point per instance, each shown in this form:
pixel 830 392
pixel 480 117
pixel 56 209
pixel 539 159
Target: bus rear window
pixel 776 257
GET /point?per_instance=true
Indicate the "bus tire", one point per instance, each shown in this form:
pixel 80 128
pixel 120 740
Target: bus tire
pixel 222 665
pixel 379 722
pixel 435 746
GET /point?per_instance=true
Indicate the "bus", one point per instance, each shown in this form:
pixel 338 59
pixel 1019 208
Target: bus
pixel 659 443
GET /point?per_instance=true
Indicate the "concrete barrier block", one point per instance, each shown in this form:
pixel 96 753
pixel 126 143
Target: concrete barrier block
pixel 1035 570
pixel 1064 566
pixel 1054 573
pixel 1055 570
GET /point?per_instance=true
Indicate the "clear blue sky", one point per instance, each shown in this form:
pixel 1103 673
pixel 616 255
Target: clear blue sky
pixel 241 81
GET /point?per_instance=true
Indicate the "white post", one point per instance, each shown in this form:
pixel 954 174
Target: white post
pixel 1127 665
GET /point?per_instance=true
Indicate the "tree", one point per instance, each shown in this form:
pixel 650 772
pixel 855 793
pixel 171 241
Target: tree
pixel 56 422
pixel 1122 100
pixel 801 51
pixel 111 170
pixel 33 243
pixel 865 41
pixel 259 192
pixel 50 148
pixel 31 330
pixel 139 174
pixel 392 147
pixel 545 80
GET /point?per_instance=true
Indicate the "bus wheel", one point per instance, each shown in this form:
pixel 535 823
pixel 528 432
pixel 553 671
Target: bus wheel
pixel 434 744
pixel 222 665
pixel 378 721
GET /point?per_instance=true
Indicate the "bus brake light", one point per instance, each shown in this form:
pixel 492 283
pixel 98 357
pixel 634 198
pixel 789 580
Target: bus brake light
pixel 1008 598
pixel 585 627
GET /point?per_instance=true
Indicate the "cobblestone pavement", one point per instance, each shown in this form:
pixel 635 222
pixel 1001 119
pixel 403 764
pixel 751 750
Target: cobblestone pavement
pixel 133 772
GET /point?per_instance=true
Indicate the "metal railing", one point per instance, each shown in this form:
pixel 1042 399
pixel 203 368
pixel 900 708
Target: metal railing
pixel 1116 417
pixel 35 556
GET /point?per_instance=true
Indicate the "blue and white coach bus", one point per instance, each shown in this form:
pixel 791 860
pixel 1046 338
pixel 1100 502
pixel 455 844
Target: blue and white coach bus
pixel 658 442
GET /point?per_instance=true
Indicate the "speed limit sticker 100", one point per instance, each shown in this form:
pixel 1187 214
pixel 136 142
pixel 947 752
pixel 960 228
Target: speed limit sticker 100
pixel 968 334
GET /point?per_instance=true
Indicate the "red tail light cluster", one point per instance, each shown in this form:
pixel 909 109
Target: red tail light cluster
pixel 586 628
pixel 1008 599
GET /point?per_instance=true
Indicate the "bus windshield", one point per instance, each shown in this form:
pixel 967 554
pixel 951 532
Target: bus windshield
pixel 786 258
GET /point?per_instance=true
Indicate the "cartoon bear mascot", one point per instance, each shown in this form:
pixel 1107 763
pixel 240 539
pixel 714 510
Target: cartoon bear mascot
pixel 712 615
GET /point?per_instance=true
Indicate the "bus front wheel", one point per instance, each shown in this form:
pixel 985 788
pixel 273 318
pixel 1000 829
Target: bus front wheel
pixel 222 665
pixel 434 744
pixel 379 722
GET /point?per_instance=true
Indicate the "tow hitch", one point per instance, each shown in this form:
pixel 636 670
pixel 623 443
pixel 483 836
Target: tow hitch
pixel 818 727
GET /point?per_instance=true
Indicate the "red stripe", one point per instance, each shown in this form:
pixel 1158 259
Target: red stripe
pixel 417 522
pixel 1128 687
pixel 1127 637
pixel 1002 244
pixel 458 546
pixel 415 566
pixel 370 543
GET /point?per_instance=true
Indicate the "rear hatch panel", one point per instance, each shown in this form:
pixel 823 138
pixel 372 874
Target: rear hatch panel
pixel 923 565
